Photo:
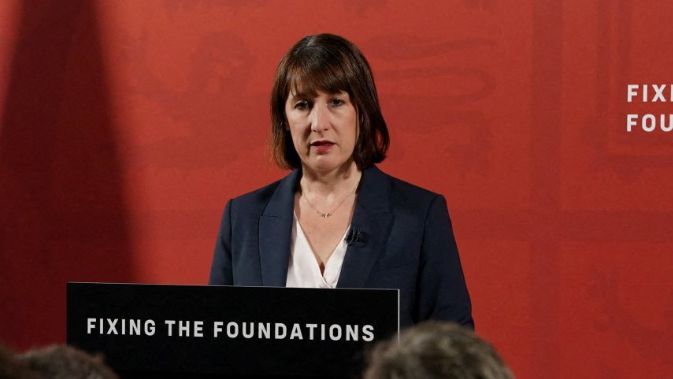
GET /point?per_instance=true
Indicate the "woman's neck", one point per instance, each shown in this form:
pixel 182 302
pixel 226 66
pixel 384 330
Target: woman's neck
pixel 333 183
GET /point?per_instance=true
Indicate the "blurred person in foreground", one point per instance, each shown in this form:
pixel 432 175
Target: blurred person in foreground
pixel 337 221
pixel 434 350
pixel 64 362
pixel 11 368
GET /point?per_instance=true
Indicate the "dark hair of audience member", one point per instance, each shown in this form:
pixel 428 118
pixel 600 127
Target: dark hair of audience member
pixel 61 362
pixel 10 368
pixel 436 350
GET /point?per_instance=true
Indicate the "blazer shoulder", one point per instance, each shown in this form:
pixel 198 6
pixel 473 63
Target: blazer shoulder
pixel 254 202
pixel 410 194
pixel 275 199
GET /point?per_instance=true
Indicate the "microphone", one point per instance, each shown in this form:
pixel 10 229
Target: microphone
pixel 356 237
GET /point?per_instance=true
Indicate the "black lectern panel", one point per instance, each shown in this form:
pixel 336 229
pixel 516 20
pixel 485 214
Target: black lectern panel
pixel 208 331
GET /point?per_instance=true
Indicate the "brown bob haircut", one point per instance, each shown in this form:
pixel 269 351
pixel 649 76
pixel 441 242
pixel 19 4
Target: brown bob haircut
pixel 328 63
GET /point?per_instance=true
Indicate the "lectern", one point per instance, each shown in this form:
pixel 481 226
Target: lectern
pixel 225 331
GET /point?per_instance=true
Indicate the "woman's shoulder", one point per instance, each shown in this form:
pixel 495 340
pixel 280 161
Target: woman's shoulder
pixel 406 195
pixel 402 188
pixel 257 200
pixel 260 195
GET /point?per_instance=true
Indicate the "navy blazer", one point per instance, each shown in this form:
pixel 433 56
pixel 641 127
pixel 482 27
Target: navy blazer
pixel 403 239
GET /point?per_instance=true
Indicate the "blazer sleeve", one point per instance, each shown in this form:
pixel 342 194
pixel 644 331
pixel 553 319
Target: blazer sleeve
pixel 442 293
pixel 221 269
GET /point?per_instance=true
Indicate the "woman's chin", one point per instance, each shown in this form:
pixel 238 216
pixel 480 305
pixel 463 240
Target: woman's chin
pixel 324 164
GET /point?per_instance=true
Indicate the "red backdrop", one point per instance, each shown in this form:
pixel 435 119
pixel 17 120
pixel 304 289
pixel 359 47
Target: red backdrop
pixel 126 126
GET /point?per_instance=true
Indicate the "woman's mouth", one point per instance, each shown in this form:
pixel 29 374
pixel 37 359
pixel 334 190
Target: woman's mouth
pixel 322 147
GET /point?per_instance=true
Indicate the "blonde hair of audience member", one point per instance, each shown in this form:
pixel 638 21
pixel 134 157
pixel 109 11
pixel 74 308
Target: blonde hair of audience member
pixel 436 350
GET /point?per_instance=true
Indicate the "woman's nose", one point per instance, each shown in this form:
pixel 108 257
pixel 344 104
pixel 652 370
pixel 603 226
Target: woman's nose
pixel 319 118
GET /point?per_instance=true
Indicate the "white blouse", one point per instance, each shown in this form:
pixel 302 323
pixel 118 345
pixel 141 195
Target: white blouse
pixel 304 269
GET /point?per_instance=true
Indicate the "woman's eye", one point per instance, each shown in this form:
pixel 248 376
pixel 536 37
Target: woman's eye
pixel 336 102
pixel 301 105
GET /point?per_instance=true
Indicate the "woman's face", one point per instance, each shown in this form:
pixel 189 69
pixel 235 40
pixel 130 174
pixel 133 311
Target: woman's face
pixel 323 129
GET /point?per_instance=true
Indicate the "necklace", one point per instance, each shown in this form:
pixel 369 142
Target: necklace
pixel 331 212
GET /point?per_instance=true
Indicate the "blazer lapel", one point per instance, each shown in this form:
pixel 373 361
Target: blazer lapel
pixel 370 228
pixel 275 232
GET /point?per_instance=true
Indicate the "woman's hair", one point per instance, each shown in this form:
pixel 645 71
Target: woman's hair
pixel 328 63
pixel 434 350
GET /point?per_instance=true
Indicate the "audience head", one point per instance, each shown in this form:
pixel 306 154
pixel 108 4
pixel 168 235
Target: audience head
pixel 10 368
pixel 61 362
pixel 436 350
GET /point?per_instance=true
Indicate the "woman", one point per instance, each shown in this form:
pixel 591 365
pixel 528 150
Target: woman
pixel 336 220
